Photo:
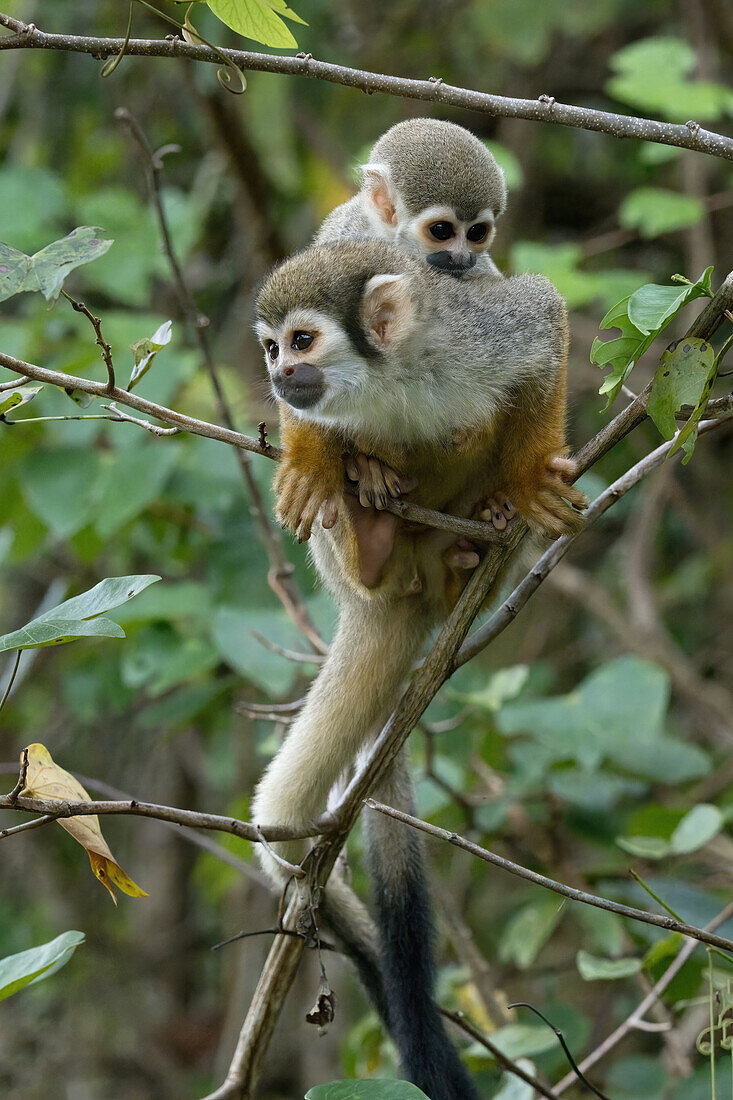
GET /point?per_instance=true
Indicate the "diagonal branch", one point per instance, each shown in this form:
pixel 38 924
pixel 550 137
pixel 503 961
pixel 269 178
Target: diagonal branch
pixel 433 90
pixel 656 919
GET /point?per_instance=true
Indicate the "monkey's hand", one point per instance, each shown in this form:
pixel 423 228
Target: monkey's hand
pixel 302 494
pixel 551 505
pixel 376 481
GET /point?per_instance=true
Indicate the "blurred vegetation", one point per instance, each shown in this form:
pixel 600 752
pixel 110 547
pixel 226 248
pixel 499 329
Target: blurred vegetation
pixel 588 735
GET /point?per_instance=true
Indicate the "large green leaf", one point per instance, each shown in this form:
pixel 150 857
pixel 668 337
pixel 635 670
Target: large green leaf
pixel 256 19
pixel 528 931
pixel 654 211
pixel 37 963
pixel 366 1090
pixel 109 593
pixel 653 74
pixel 653 306
pixel 75 618
pixel 47 269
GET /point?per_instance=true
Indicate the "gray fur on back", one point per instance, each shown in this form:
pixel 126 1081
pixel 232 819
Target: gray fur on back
pixel 434 163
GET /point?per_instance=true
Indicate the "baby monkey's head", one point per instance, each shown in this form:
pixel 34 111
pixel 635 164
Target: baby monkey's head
pixel 436 191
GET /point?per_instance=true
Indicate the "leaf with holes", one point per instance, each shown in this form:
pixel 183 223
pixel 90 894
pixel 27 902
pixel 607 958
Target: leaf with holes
pixel 685 376
pixel 45 779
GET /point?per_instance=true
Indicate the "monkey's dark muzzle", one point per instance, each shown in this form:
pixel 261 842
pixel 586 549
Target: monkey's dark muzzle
pixel 301 386
pixel 452 263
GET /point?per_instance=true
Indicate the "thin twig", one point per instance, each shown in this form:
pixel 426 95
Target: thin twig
pixel 543 109
pixel 96 323
pixel 656 919
pixel 15 793
pixel 14 385
pixel 498 1055
pixel 280 575
pixel 57 808
pixel 6 693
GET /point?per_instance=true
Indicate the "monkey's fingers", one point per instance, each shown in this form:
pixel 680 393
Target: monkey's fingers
pixel 352 470
pixel 567 468
pixel 308 512
pixel 378 483
pixel 330 512
pixel 366 498
pixel 497 510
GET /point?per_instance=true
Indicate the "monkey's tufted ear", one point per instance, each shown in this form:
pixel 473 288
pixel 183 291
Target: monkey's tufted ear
pixel 379 192
pixel 387 312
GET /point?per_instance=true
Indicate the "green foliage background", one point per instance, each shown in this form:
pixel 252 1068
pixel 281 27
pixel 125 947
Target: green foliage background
pixel 603 713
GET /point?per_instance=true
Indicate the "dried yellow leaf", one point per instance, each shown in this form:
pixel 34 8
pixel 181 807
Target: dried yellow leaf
pixel 45 779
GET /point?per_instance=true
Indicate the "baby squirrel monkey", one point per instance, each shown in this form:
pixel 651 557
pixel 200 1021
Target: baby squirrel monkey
pixel 373 352
pixel 434 190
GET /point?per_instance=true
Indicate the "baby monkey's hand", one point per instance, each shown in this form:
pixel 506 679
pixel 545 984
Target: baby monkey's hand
pixel 376 481
pixel 300 497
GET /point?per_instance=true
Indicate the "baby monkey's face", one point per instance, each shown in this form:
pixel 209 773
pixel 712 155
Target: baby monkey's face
pixel 447 239
pixel 309 358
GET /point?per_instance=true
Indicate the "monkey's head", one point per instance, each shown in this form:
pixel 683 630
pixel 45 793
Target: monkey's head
pixel 330 319
pixel 435 190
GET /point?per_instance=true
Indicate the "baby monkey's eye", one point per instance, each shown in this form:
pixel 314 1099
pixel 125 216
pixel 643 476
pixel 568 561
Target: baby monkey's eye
pixel 301 340
pixel 477 232
pixel 442 231
pixel 272 350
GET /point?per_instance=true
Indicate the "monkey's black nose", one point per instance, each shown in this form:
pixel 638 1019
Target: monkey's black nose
pixel 453 263
pixel 300 384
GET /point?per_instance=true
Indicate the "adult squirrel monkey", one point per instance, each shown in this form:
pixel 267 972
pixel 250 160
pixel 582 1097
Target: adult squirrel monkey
pixel 373 352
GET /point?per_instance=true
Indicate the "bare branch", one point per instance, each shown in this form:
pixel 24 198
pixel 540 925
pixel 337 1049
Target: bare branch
pixel 96 323
pixel 666 922
pixel 543 109
pixel 56 808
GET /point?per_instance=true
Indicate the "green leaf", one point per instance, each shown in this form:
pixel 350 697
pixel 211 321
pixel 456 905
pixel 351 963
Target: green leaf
pixel 502 686
pixel 646 847
pixel 685 376
pixel 528 931
pixel 652 74
pixel 18 397
pixel 593 969
pixel 519 1040
pixel 109 593
pixel 696 828
pixel 144 351
pixel 641 317
pixel 654 211
pixel 58 631
pixel 366 1090
pixel 255 19
pixel 37 963
pixel 47 269
pixel 653 306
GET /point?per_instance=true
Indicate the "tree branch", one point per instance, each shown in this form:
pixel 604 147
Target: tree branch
pixel 657 919
pixel 433 90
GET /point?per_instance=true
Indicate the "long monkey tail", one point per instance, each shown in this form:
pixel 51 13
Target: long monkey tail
pixel 403 914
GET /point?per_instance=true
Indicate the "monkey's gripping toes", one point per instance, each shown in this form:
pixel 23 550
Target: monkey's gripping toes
pixel 554 507
pixel 301 496
pixel 376 481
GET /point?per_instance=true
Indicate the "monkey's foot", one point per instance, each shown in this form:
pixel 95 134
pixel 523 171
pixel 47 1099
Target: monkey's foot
pixel 463 554
pixel 376 480
pixel 496 509
pixel 555 508
pixel 299 500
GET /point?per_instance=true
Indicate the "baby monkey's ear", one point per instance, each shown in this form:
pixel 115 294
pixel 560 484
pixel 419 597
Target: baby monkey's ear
pixel 387 311
pixel 379 191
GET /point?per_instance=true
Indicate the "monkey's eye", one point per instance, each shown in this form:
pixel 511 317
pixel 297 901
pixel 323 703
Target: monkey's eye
pixel 478 232
pixel 442 231
pixel 301 341
pixel 272 350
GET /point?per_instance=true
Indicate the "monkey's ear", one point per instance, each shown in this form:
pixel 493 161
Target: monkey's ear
pixel 378 187
pixel 387 312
